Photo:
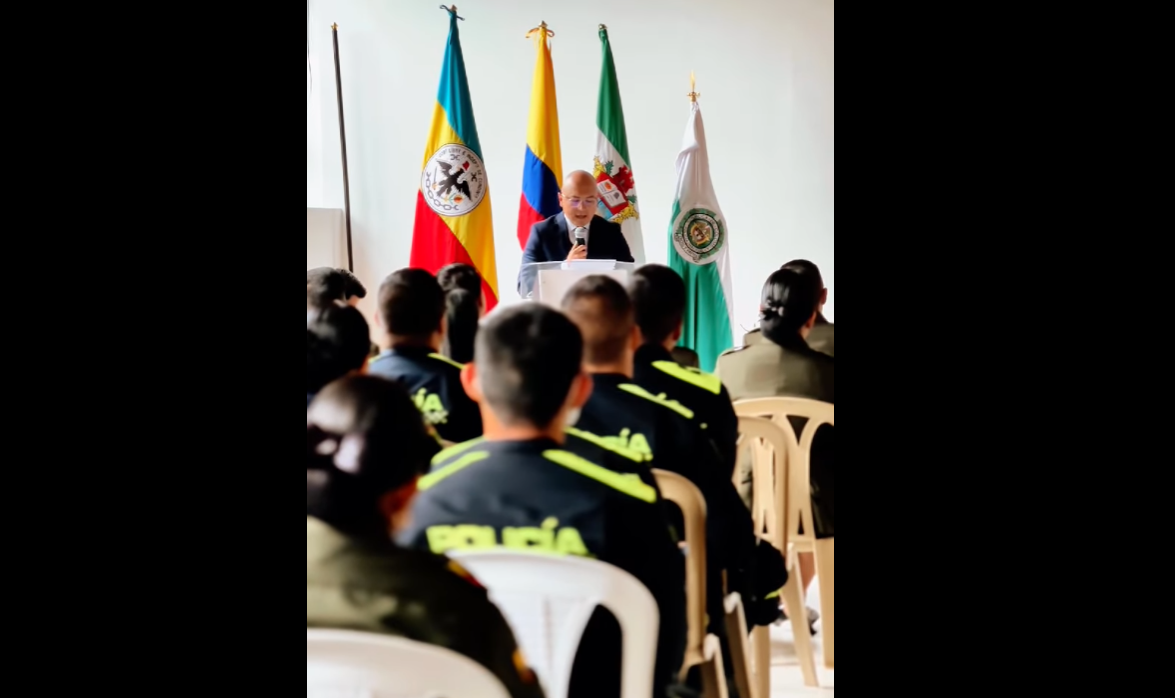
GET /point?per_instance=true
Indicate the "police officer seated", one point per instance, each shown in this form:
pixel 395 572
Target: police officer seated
pixel 411 316
pixel 366 448
pixel 324 285
pixel 658 295
pixel 821 336
pixel 336 344
pixel 465 306
pixel 518 487
pixel 782 364
pixel 670 434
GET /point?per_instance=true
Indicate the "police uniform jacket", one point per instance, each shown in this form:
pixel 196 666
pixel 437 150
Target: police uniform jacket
pixel 607 453
pixel 434 382
pixel 371 585
pixel 536 495
pixel 656 371
pixel 668 433
pixel 597 449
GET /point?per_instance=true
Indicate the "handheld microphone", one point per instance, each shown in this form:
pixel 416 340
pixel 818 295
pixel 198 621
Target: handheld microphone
pixel 581 236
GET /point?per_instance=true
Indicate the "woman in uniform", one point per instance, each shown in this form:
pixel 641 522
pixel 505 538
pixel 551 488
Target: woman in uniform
pixel 783 365
pixel 366 448
pixel 465 305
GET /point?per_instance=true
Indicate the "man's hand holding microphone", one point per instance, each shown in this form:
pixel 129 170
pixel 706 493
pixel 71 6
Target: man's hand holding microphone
pixel 579 251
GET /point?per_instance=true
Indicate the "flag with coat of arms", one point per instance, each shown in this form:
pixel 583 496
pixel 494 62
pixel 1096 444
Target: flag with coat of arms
pixel 613 167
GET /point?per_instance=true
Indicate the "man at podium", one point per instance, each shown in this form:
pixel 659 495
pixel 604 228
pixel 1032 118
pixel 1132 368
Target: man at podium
pixel 558 238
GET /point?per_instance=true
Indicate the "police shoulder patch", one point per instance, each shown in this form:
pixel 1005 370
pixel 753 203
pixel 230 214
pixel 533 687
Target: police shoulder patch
pixel 693 376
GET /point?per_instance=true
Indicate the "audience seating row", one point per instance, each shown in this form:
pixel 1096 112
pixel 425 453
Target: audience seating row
pixel 548 600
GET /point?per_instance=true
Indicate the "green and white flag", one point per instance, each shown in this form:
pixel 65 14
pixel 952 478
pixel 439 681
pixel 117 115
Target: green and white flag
pixel 698 247
pixel 613 168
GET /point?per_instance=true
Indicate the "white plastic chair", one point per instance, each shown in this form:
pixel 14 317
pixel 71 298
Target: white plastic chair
pixel 350 664
pixel 701 648
pixel 769 445
pixel 548 600
pixel 736 635
pixel 818 413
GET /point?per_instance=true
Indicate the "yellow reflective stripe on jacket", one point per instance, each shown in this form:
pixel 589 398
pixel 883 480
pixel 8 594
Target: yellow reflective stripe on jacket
pixel 693 376
pixel 464 461
pixel 659 399
pixel 632 486
pixel 442 357
pixel 604 444
pixel 455 449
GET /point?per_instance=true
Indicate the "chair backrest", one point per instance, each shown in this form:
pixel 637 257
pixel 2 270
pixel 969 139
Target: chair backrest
pixel 780 408
pixel 771 449
pixel 548 600
pixel 798 452
pixel 689 499
pixel 346 663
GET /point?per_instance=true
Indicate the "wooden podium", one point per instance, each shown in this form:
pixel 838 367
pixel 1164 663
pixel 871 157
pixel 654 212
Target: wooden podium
pixel 549 281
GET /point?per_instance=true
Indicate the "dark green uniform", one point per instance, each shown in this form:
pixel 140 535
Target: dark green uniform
pixel 819 338
pixel 374 586
pixel 766 369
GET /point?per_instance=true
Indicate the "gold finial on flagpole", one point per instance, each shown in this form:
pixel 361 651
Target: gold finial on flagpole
pixel 693 93
pixel 542 27
pixel 334 27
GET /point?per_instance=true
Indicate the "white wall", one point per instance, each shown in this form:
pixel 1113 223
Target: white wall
pixel 764 70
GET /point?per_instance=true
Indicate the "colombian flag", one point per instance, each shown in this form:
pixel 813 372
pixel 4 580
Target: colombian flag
pixel 542 174
pixel 453 217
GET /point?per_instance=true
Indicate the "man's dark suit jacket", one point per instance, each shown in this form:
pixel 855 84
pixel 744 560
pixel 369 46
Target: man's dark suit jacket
pixel 550 241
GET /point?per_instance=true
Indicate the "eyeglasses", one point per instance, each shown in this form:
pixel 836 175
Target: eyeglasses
pixel 581 203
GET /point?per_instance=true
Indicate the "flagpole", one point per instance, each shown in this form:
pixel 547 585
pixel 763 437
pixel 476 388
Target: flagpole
pixel 334 29
pixel 693 93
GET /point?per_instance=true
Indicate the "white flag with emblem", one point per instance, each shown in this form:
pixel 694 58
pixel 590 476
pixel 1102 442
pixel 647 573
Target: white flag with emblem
pixel 698 247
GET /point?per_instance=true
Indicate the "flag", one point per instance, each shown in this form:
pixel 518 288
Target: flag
pixel 454 222
pixel 613 167
pixel 698 247
pixel 542 173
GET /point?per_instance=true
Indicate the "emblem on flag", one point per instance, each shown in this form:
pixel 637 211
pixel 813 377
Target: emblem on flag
pixel 453 181
pixel 617 195
pixel 699 235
